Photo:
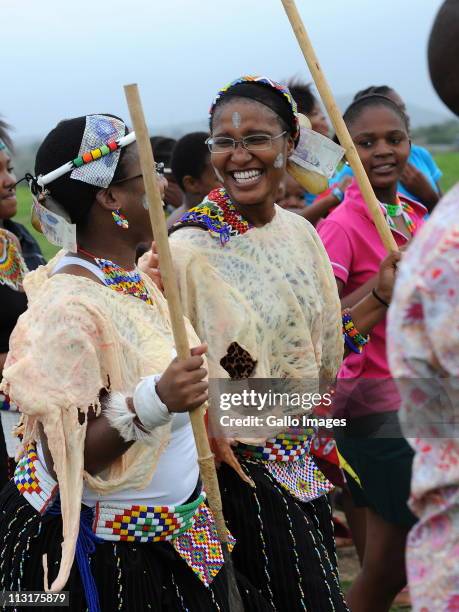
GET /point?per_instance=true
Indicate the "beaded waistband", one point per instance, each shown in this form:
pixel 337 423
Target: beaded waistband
pixel 284 447
pixel 33 481
pixel 189 528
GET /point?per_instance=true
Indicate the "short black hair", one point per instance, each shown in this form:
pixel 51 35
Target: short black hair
pixel 162 148
pixel 190 156
pixel 62 145
pixel 355 109
pixel 303 96
pixel 443 48
pixel 384 90
pixel 4 135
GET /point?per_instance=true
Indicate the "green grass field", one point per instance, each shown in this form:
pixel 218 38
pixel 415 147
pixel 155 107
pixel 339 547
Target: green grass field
pixel 448 163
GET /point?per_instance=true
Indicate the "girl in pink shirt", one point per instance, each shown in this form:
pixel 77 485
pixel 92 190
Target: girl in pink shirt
pixel 379 130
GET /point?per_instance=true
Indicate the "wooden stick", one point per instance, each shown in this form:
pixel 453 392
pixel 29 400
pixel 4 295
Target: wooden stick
pixel 158 224
pixel 339 125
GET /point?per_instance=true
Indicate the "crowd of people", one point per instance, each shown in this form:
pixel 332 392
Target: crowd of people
pixel 101 493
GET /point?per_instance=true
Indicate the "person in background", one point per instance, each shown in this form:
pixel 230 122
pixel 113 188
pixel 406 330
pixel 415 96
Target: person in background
pixel 162 147
pixel 291 194
pixel 423 343
pixel 19 253
pixel 420 178
pixel 379 130
pixel 191 168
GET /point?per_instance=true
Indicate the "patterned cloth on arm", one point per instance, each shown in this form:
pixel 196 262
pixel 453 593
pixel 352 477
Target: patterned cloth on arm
pixel 423 349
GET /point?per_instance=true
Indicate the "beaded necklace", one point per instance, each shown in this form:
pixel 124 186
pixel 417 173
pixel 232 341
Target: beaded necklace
pixel 119 279
pixel 12 265
pixel 397 209
pixel 218 215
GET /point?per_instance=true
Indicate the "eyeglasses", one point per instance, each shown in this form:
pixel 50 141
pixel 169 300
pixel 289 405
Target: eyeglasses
pixel 255 142
pixel 159 169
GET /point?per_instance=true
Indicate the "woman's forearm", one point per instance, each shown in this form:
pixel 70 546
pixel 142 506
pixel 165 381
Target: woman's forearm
pixel 354 298
pixel 319 209
pixel 368 313
pixel 103 445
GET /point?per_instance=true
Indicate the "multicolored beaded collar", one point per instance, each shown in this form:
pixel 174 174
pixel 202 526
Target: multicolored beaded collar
pixel 399 209
pixel 218 215
pixel 12 265
pixel 119 279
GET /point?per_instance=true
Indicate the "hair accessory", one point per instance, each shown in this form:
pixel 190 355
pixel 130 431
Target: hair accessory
pixel 262 80
pixel 377 297
pixel 101 177
pixel 120 219
pixel 352 337
pixel 2 145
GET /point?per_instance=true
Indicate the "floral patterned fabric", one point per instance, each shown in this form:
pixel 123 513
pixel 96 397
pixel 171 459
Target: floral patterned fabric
pixel 423 347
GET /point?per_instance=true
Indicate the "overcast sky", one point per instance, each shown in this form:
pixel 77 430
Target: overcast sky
pixel 62 59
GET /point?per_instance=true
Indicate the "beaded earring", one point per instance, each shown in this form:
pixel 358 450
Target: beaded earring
pixel 120 219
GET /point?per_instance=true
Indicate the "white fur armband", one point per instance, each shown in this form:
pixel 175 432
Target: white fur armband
pixel 149 408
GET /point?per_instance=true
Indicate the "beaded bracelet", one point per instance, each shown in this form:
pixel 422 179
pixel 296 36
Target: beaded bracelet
pixel 353 339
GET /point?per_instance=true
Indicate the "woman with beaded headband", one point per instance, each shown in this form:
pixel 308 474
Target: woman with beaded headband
pixel 256 283
pixel 19 252
pixel 108 485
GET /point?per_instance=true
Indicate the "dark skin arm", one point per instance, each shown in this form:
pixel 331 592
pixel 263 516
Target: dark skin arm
pixel 366 310
pixel 182 387
pixel 417 183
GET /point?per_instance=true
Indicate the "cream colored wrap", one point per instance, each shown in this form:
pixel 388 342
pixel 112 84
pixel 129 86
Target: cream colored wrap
pixel 272 290
pixel 76 338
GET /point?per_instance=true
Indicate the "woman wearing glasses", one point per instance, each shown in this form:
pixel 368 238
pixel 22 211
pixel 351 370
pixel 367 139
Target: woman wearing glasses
pixel 258 287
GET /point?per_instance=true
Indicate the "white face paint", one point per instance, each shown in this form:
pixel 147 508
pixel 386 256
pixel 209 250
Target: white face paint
pixel 217 174
pixel 279 161
pixel 145 202
pixel 236 120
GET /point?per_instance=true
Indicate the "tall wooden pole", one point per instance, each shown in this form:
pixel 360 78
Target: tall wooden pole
pixel 158 223
pixel 339 125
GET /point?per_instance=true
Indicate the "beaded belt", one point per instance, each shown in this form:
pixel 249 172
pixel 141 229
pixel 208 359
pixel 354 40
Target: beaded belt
pixel 284 447
pixel 287 459
pixel 190 528
pixel 33 481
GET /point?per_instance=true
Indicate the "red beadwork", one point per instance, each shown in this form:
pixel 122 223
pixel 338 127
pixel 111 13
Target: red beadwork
pixel 87 157
pixel 112 145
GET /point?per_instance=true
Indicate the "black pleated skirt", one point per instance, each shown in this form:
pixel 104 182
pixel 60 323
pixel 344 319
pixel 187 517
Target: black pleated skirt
pixel 285 548
pixel 129 577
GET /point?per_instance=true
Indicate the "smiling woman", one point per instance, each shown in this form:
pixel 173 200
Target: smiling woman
pixel 379 130
pixel 19 252
pixel 258 286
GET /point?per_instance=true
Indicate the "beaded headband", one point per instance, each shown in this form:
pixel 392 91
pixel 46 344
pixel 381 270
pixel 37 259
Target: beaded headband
pixel 261 80
pixel 86 158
